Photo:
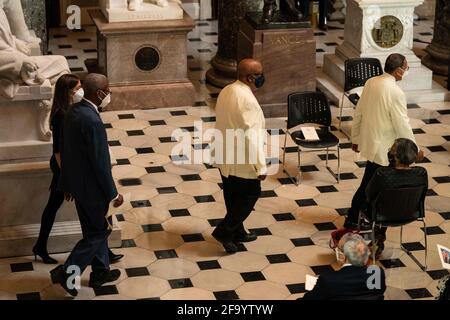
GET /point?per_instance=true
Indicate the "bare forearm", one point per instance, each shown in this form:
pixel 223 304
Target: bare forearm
pixel 58 159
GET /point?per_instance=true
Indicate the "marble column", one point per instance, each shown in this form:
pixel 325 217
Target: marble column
pixel 224 64
pixel 36 19
pixel 438 51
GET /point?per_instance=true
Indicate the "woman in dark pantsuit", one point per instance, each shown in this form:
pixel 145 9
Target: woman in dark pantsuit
pixel 67 92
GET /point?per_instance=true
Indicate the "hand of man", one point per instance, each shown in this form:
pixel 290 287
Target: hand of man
pixel 68 197
pixel 420 156
pixel 355 147
pixel 118 202
pixel 262 177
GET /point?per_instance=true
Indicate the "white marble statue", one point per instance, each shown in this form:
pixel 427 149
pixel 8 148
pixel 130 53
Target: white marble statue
pixel 14 13
pixel 17 67
pixel 135 5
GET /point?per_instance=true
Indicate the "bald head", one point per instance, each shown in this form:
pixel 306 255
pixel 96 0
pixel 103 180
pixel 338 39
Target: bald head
pixel 92 83
pixel 248 71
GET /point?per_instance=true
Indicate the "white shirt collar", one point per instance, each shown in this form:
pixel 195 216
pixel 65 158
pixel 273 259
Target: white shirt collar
pixel 92 105
pixel 347 265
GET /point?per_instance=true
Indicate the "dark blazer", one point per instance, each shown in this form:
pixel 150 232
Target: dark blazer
pixel 85 160
pixel 349 283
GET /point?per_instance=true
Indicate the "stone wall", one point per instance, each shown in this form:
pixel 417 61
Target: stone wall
pixel 35 16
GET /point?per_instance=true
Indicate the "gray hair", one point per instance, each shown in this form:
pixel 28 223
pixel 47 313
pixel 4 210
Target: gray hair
pixel 406 151
pixel 356 251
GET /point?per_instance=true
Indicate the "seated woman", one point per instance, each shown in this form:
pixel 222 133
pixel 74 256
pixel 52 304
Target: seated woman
pixel 399 174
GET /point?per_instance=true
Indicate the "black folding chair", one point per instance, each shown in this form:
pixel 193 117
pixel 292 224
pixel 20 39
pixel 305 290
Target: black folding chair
pixel 310 107
pixel 357 72
pixel 396 208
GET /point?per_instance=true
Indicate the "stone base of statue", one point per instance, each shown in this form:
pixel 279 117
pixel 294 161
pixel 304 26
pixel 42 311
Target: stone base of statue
pixel 25 176
pixel 287 50
pixel 378 29
pixel 146 12
pixel 145 61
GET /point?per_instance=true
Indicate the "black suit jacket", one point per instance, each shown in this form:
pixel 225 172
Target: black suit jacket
pixel 85 160
pixel 349 283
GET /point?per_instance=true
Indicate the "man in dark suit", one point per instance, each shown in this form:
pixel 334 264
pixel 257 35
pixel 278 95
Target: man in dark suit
pixel 86 176
pixel 354 281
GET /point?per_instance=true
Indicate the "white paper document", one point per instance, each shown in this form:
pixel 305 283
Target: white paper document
pixel 310 282
pixel 310 133
pixel 444 254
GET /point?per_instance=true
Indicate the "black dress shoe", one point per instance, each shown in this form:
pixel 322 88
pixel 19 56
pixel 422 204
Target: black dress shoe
pixel 60 276
pixel 113 258
pixel 229 246
pixel 43 254
pixel 323 27
pixel 97 279
pixel 248 237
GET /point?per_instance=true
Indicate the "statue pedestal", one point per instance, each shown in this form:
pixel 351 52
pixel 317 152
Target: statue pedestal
pixel 287 51
pixel 25 175
pixel 378 28
pixel 147 12
pixel 145 61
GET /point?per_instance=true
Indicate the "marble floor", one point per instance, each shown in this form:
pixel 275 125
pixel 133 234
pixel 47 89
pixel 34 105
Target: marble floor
pixel 166 228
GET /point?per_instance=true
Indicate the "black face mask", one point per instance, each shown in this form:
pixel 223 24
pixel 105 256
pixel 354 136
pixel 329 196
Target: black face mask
pixel 391 158
pixel 259 81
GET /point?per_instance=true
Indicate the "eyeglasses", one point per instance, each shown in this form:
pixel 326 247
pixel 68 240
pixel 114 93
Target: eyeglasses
pixel 405 69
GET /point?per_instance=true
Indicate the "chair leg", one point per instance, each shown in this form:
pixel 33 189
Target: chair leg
pixel 339 164
pixel 373 244
pixel 340 116
pixel 359 221
pixel 295 180
pixel 284 152
pixel 340 111
pixel 426 245
pixel 326 159
pixel 409 253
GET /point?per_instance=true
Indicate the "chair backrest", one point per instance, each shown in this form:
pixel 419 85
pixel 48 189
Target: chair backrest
pixel 308 107
pixel 359 70
pixel 400 205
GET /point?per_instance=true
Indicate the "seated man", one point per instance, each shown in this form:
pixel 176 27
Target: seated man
pixel 403 153
pixel 353 280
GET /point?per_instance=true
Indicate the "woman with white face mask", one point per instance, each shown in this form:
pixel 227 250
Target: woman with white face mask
pixel 67 92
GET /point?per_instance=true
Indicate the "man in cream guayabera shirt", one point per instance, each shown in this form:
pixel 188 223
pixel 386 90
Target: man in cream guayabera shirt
pixel 239 152
pixel 380 118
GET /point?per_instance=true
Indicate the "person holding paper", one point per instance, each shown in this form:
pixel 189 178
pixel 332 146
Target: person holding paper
pixel 238 111
pixel 354 281
pixel 86 176
pixel 380 118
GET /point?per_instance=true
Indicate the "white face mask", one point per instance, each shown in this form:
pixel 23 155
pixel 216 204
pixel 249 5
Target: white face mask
pixel 106 100
pixel 405 74
pixel 340 257
pixel 78 95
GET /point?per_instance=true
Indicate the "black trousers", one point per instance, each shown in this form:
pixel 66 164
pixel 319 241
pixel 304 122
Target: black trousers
pixel 323 10
pixel 55 200
pixel 93 248
pixel 359 201
pixel 240 197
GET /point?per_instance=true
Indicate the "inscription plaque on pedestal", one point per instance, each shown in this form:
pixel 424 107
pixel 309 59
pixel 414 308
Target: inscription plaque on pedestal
pixel 147 58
